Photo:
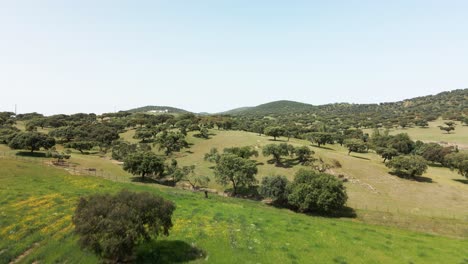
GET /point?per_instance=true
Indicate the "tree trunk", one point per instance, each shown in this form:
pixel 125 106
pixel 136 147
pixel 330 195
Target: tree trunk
pixel 234 187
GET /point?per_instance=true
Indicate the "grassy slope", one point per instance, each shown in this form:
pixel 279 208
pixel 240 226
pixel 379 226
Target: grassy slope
pixel 36 203
pixel 433 134
pixel 446 195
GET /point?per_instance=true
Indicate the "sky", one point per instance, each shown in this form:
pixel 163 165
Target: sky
pixel 215 55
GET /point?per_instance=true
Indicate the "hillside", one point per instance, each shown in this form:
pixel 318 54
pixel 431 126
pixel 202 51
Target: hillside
pixel 171 110
pixel 36 225
pixel 431 106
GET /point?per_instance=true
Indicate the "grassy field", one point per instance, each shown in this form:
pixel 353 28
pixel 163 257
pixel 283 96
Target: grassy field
pixel 440 192
pixel 433 134
pixel 36 203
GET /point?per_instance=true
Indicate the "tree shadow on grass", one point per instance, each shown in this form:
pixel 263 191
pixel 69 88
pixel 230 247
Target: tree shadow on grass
pixel 462 181
pixel 168 251
pixel 345 212
pixel 322 147
pixel 413 178
pixel 250 193
pixel 277 140
pixel 29 154
pixel 143 180
pixel 359 157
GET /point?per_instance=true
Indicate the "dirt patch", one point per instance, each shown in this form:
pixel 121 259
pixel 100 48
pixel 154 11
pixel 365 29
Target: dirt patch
pixel 25 254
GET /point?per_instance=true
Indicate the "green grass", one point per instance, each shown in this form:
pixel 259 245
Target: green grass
pixel 370 187
pixel 36 203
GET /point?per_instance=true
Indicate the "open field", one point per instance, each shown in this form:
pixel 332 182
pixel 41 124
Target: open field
pixel 433 134
pixel 37 202
pixel 440 192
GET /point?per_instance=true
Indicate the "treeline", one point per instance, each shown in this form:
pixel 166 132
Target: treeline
pixel 452 105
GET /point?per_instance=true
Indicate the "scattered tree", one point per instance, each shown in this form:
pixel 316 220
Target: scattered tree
pixel 233 169
pixel 387 153
pixel 245 152
pixel 408 166
pixel 144 163
pixel 314 191
pixel 303 154
pixel 274 132
pixel 277 151
pixel 355 145
pixel 31 141
pixel 81 146
pixel 113 225
pixel 320 138
pixel 171 141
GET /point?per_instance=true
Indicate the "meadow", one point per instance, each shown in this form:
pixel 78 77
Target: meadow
pixel 37 202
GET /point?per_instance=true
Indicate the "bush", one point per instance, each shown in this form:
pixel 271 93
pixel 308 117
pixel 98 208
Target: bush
pixel 408 166
pixel 112 225
pixel 313 191
pixel 274 187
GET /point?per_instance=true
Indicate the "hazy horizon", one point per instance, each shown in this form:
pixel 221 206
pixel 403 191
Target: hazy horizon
pixel 213 56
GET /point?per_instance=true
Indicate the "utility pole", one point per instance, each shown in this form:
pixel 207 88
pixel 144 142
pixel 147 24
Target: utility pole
pixel 15 109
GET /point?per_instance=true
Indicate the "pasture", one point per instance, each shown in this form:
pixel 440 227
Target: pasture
pixel 37 201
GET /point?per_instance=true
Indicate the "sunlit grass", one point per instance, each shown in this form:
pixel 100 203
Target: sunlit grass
pixel 36 203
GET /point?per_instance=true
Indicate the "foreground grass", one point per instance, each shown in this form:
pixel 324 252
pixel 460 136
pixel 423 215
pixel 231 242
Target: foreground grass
pixel 36 204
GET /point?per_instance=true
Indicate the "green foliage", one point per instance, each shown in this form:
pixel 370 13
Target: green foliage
pixel 81 146
pixel 447 128
pixel 113 225
pixel 245 152
pixel 313 191
pixel 387 153
pixel 274 132
pixel 171 141
pixel 7 133
pixel 303 154
pixel 408 166
pixel 278 151
pixel 144 134
pixel 238 171
pixel 204 133
pixel 433 152
pixel 212 156
pixel 320 138
pixel 65 134
pixel 355 145
pixel 274 187
pixel 458 161
pixel 31 141
pixel 421 123
pixel 401 142
pixel 144 163
pixel 121 149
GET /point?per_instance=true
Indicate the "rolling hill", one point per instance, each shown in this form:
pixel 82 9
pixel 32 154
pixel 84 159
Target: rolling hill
pixel 450 102
pixel 148 108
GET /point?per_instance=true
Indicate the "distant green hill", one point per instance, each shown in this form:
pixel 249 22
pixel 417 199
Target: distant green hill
pixel 162 109
pixel 448 104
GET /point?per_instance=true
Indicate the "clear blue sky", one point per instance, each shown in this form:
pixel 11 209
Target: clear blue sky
pixel 97 56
